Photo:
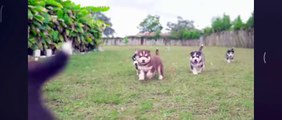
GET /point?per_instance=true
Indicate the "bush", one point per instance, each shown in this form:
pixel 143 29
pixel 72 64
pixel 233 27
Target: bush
pixel 221 24
pixel 207 31
pixel 238 24
pixel 250 22
pixel 125 40
pixel 51 22
pixel 185 34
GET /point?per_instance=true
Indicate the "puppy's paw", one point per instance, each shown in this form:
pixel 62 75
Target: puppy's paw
pixel 135 62
pixel 141 77
pixel 67 47
pixel 195 72
pixel 161 77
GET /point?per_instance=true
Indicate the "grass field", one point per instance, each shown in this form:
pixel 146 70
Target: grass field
pixel 104 85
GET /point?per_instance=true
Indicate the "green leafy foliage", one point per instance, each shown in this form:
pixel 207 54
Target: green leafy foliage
pixel 157 34
pixel 221 23
pixel 183 29
pixel 108 31
pixel 125 40
pixel 150 24
pixel 207 31
pixel 250 22
pixel 180 25
pixel 186 34
pixel 51 22
pixel 238 24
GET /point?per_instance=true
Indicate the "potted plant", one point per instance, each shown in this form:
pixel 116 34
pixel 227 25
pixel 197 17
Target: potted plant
pixel 36 51
pixel 48 51
pixel 46 47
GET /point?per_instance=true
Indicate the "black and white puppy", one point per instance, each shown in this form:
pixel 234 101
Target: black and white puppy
pixel 39 73
pixel 197 61
pixel 230 55
pixel 135 63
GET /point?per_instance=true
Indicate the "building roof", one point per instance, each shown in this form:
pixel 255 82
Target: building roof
pixel 147 34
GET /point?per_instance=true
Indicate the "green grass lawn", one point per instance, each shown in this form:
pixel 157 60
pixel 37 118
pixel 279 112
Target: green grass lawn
pixel 104 85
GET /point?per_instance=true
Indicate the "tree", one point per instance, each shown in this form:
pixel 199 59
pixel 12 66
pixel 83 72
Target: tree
pixel 183 29
pixel 108 31
pixel 181 24
pixel 221 24
pixel 226 22
pixel 250 22
pixel 207 31
pixel 238 24
pixel 150 24
pixel 125 40
pixel 157 35
pixel 51 22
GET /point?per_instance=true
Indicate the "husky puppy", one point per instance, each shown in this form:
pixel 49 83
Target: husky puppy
pixel 230 55
pixel 135 61
pixel 197 61
pixel 149 65
pixel 39 73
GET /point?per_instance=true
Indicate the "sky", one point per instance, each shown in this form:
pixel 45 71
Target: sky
pixel 126 15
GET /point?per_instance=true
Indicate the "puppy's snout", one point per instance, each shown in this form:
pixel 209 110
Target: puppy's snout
pixel 195 61
pixel 143 61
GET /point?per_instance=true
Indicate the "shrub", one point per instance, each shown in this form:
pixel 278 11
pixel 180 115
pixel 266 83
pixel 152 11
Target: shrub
pixel 221 24
pixel 250 22
pixel 51 22
pixel 207 31
pixel 238 24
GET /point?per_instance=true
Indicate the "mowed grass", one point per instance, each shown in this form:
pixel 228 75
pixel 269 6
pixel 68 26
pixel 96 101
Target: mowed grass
pixel 104 86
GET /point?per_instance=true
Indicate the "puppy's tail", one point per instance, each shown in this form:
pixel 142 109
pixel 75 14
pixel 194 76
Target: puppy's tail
pixel 43 70
pixel 202 46
pixel 157 51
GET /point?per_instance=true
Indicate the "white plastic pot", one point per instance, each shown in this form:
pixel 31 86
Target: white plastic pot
pixel 49 52
pixel 100 48
pixel 36 53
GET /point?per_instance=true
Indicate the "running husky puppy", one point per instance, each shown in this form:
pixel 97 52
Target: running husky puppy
pixel 135 62
pixel 39 73
pixel 149 65
pixel 197 61
pixel 230 55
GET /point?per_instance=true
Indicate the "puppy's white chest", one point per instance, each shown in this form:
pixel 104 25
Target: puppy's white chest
pixel 145 68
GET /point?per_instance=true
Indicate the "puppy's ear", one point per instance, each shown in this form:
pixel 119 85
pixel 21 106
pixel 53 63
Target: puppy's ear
pixel 192 53
pixel 232 49
pixel 199 53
